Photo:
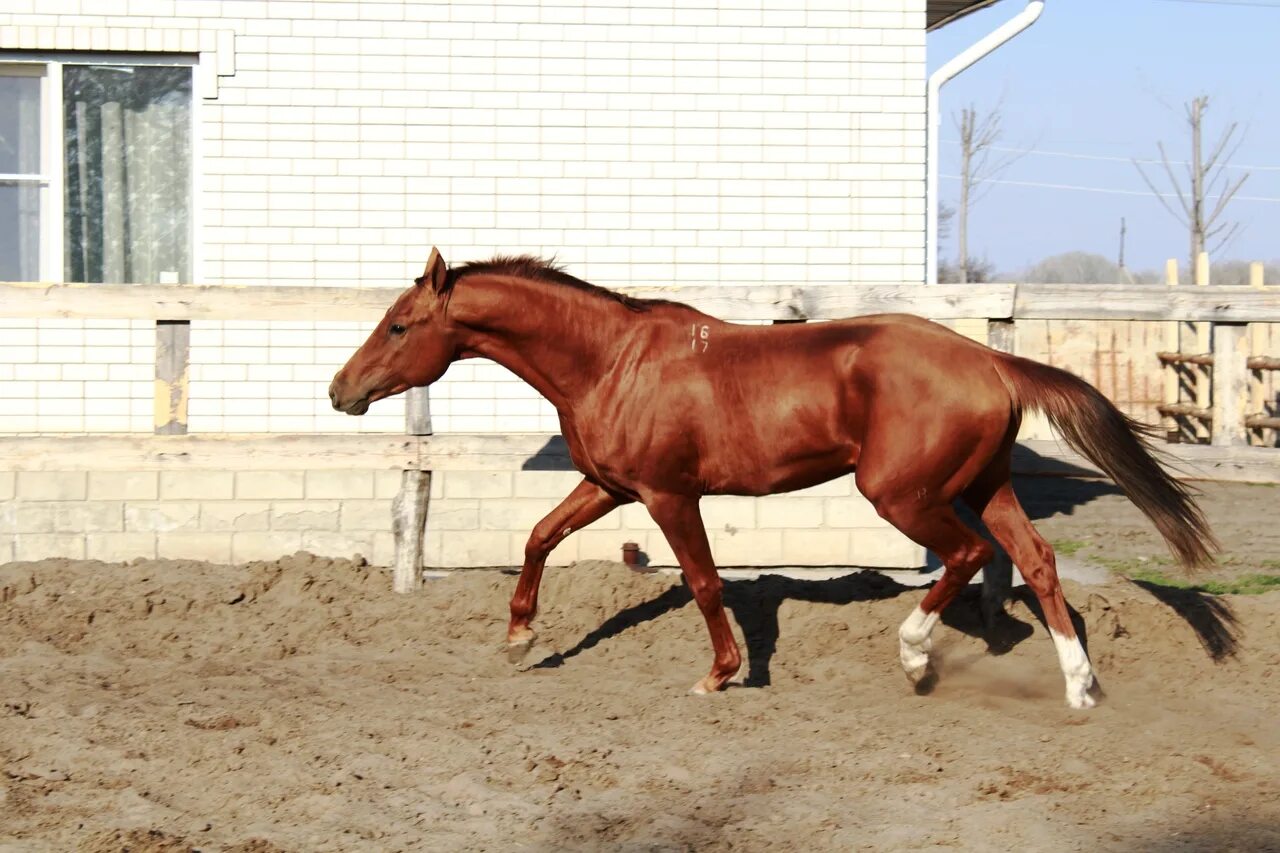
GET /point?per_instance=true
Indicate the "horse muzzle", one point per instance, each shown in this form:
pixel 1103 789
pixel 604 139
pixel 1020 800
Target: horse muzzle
pixel 340 401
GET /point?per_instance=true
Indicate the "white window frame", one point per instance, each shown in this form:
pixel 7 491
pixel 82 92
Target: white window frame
pixel 52 178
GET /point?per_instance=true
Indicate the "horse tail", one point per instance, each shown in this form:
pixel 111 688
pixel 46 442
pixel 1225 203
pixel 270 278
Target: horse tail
pixel 1119 445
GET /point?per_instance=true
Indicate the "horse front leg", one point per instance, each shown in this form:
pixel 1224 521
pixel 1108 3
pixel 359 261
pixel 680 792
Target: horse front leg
pixel 681 524
pixel 585 504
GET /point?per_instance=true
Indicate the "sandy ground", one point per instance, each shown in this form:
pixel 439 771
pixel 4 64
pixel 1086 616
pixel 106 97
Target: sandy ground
pixel 299 705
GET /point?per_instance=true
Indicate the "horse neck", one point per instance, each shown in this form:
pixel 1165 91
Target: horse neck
pixel 558 339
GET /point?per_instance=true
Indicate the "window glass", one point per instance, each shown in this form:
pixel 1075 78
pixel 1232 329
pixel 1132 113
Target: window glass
pixel 20 188
pixel 127 151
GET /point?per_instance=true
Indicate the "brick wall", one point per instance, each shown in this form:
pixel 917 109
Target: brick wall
pixel 474 519
pixel 703 143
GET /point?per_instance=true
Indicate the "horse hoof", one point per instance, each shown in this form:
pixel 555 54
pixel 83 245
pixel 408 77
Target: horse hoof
pixel 706 687
pixel 923 679
pixel 516 652
pixel 1081 702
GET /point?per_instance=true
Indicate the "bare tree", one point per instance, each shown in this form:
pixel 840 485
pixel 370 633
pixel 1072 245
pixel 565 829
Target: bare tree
pixel 980 162
pixel 1208 181
pixel 946 213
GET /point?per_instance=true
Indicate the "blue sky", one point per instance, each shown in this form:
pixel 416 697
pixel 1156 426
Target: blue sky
pixel 1109 78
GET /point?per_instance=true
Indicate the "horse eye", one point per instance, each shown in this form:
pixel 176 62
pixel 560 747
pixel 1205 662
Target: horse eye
pixel 396 329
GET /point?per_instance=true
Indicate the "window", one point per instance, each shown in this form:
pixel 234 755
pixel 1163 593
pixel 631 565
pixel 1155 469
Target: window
pixel 20 178
pixel 96 171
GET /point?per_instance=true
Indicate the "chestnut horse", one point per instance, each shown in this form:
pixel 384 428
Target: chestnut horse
pixel 662 404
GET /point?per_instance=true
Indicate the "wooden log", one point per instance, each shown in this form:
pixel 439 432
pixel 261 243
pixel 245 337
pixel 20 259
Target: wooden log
pixel 1263 362
pixel 173 385
pixel 1186 410
pixel 411 504
pixel 1203 359
pixel 1230 383
pixel 408 525
pixel 1261 421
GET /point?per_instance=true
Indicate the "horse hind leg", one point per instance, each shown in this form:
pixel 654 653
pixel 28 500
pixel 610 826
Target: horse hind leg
pixel 1035 560
pixel 962 551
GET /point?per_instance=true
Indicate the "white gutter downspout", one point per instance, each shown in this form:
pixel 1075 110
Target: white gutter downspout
pixel 968 57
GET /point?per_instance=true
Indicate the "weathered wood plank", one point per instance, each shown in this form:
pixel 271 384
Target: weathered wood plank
pixel 254 302
pixel 224 451
pixel 1187 462
pixel 746 302
pixel 283 452
pixel 1145 302
pixel 477 452
pixel 192 302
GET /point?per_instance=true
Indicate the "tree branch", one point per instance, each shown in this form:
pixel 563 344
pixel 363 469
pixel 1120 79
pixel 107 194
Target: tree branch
pixel 1159 196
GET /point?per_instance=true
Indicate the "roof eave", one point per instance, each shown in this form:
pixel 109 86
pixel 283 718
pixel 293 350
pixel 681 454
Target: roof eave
pixel 960 13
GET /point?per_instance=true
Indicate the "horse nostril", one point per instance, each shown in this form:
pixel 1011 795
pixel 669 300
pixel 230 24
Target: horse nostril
pixel 333 395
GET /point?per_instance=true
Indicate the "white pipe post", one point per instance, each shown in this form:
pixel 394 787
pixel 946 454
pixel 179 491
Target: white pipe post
pixel 969 56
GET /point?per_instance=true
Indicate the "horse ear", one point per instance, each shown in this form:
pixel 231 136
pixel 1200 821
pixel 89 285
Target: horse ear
pixel 436 271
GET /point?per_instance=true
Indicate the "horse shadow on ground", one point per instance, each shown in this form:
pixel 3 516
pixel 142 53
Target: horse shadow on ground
pixel 1210 617
pixel 755 605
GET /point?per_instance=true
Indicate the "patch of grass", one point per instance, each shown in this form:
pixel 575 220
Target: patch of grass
pixel 1132 567
pixel 1254 584
pixel 1067 547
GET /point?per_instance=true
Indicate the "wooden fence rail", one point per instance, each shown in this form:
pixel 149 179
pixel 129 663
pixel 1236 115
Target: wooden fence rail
pixel 418 452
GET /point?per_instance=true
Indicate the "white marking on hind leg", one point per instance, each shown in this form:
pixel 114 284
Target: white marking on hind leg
pixel 914 643
pixel 1075 668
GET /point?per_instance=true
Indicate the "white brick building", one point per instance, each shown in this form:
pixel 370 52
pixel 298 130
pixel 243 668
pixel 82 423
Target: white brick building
pixel 300 142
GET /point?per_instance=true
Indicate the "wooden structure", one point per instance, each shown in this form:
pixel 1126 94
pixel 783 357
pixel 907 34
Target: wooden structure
pixel 418 452
pixel 1210 370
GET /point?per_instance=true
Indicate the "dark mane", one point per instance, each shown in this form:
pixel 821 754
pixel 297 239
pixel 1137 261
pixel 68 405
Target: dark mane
pixel 538 269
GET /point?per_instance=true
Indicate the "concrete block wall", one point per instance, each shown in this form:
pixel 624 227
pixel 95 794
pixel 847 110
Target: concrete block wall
pixel 475 519
pixel 709 142
pixel 220 516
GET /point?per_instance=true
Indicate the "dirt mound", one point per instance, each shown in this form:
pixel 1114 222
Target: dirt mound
pixel 298 704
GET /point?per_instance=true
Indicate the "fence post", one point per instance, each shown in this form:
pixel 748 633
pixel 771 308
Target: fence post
pixel 1199 339
pixel 997 576
pixel 172 388
pixel 1230 383
pixel 1173 373
pixel 1259 342
pixel 409 509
